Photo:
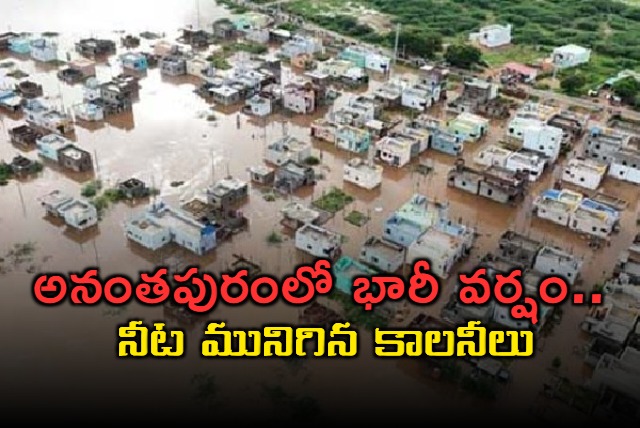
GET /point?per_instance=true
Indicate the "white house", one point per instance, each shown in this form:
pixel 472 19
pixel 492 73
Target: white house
pixel 556 206
pixel 362 173
pixel 594 218
pixel 89 112
pixel 383 255
pixel 258 106
pixel 44 50
pixel 554 261
pixel 493 155
pixel 76 213
pixel 570 56
pixel 526 161
pixel 376 62
pixel 195 65
pixel 318 242
pixel 587 173
pixel 417 97
pixel 537 136
pixel 493 35
pixel 50 145
pixel 91 89
pixel 45 117
pixel 287 148
pixel 625 165
pixel 161 224
pixel 394 151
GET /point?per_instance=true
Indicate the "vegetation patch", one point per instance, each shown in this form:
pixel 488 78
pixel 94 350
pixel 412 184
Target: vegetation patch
pixel 357 218
pixel 333 201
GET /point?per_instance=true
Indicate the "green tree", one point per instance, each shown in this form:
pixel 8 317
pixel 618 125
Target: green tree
pixel 572 83
pixel 627 89
pixel 462 56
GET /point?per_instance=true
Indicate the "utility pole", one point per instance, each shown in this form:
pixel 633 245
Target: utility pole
pixel 395 48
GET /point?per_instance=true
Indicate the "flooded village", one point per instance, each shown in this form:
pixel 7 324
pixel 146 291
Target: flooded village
pixel 225 141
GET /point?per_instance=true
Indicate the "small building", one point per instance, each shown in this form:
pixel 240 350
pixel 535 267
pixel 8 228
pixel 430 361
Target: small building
pixel 345 270
pixel 20 45
pixel 93 48
pixel 518 249
pixel 447 142
pixel 74 158
pixel 224 29
pixel 412 219
pixel 130 42
pixel 492 155
pixel 556 206
pixel 24 136
pixel 363 57
pixel 10 101
pixel 362 173
pixel 49 145
pixel 587 173
pixel 196 38
pixel 133 188
pixel 85 66
pixel 526 161
pixel 573 124
pixel 287 148
pixel 318 241
pixel 262 174
pixel 89 112
pixel 296 215
pixel 468 125
pixel 492 36
pixel 304 61
pixel 134 61
pixel 417 97
pixel 227 192
pixel 554 261
pixel 519 72
pixel 173 65
pixel 44 117
pixel 44 50
pixel 443 246
pixel 618 379
pixel 5 40
pixel 537 136
pixel 299 99
pixel 161 224
pixel 119 94
pixel 400 147
pixel 225 95
pixel 258 106
pixel 301 45
pixel 352 139
pixel 28 89
pixel 570 56
pixel 77 213
pixel 625 165
pixel 389 95
pixel 602 143
pixel 22 165
pixel 594 218
pixel 494 182
pixel 70 75
pixel 476 94
pixel 291 176
pixel 382 255
pixel 196 65
pixel 334 68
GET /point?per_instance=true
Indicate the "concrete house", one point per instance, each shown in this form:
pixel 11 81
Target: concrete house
pixel 417 97
pixel 389 95
pixel 587 173
pixel 291 176
pixel 299 99
pixel 89 112
pixel 362 57
pixel 259 106
pixel 298 45
pixel 196 65
pixel 227 192
pixel 556 206
pixel 519 72
pixel 518 249
pixel 468 125
pixel 475 93
pixel 74 158
pixel 296 215
pixel 76 213
pixel 41 116
pixel 133 188
pixel 440 139
pixel 224 29
pixel 397 151
pixel 134 61
pixel 92 48
pixel 20 45
pixel 318 241
pixel 492 155
pixel 287 148
pixel 119 94
pixel 10 101
pixel 161 224
pixel 225 95
pixel 84 66
pixel 5 39
pixel 494 182
pixel 173 65
pixel 443 246
pixel 352 139
pixel 334 68
pixel 412 219
pixel 262 174
pixel 50 145
pixel 594 218
pixel 618 378
pixel 24 135
pixel 601 143
pixel 492 36
pixel 625 165
pixel 382 255
pixel 362 173
pixel 28 89
pixel 345 270
pixel 554 261
pixel 536 136
pixel 44 50
pixel 324 130
pixel 570 56
pixel 525 161
pixel 573 124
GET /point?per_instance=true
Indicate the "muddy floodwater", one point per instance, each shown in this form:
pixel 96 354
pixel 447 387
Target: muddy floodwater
pixel 68 353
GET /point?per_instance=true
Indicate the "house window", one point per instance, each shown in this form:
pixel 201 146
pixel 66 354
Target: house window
pixel 593 229
pixel 489 192
pixel 309 247
pixel 582 179
pixel 375 259
pixel 603 230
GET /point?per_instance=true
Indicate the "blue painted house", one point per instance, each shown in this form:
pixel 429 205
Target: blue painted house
pixel 345 270
pixel 20 45
pixel 134 61
pixel 352 139
pixel 447 142
pixel 405 225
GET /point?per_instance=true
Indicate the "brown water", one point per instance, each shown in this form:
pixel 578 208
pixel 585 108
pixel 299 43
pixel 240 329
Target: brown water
pixel 70 351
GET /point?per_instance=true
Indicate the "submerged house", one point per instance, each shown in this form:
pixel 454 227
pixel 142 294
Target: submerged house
pixel 412 219
pixel 119 94
pixel 318 241
pixel 595 219
pixel 287 149
pixel 494 182
pixel 296 215
pixel 227 192
pixel 365 58
pixel 28 89
pixel 382 255
pixel 20 45
pixel 527 162
pixel 518 249
pixel 44 50
pixel 44 117
pixel 470 126
pixel 76 213
pixel 352 139
pixel 602 143
pixel 88 111
pixel 442 245
pixel 537 136
pixel 625 165
pixel 24 135
pixel 556 206
pixel 587 173
pixel 400 147
pixel 345 270
pixel 362 173
pixel 161 224
pixel 554 261
pixel 476 95
pixel 174 64
pixel 262 174
pixel 95 47
pixel 225 95
pixel 134 61
pixel 292 175
pixel 50 145
pixel 492 155
pixel 10 101
pixel 74 158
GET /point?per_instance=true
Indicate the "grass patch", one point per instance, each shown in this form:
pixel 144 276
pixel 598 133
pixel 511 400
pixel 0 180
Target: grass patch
pixel 357 218
pixel 274 238
pixel 515 53
pixel 219 62
pixel 333 201
pixel 251 47
pixel 312 161
pixel 91 189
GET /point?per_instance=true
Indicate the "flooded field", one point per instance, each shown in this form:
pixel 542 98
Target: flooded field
pixel 167 139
